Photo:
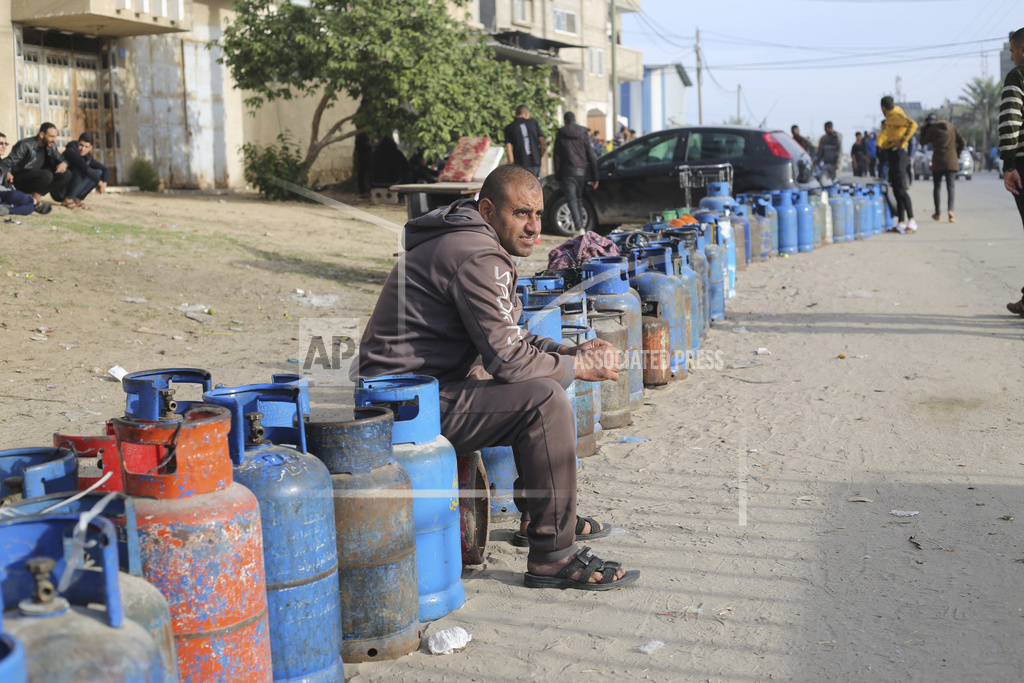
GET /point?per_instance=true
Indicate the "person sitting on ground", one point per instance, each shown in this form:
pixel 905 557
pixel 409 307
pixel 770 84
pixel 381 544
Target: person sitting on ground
pixel 449 310
pixel 422 172
pixel 12 201
pixel 389 166
pixel 87 174
pixel 36 167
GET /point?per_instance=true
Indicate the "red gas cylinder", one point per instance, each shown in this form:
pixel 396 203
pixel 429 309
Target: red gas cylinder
pixel 200 541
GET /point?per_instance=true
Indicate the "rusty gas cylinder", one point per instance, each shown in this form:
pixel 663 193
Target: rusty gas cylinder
pixel 201 546
pixel 657 346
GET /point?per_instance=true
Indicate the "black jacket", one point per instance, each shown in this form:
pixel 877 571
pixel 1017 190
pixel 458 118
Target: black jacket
pixel 573 151
pixel 85 165
pixel 27 155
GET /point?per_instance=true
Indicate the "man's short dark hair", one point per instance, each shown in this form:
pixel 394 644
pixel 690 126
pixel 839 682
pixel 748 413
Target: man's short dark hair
pixel 794 127
pixel 569 118
pixel 86 137
pixel 887 102
pixel 522 109
pixel 46 126
pixel 1017 37
pixel 495 187
pixel 828 124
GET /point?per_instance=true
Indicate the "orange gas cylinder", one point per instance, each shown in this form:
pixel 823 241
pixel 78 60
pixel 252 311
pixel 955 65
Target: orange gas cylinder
pixel 201 545
pixel 98 456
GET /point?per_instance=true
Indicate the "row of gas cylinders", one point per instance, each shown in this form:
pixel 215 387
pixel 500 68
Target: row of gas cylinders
pixel 232 539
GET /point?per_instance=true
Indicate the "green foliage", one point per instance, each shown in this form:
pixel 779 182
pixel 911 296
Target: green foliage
pixel 980 95
pixel 265 164
pixel 412 67
pixel 143 175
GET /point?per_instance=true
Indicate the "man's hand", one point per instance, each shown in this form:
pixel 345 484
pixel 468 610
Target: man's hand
pixel 593 185
pixel 1011 181
pixel 597 361
pixel 100 187
pixel 62 166
pixel 10 177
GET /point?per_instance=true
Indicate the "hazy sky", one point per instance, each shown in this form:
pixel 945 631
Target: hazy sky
pixel 809 61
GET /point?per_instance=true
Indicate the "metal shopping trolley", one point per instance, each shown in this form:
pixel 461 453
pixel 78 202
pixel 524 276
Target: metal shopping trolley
pixel 695 177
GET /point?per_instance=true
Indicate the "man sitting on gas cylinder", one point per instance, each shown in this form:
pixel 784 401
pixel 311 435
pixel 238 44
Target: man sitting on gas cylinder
pixel 449 310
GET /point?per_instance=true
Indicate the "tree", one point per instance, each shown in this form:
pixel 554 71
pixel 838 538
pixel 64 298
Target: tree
pixel 981 99
pixel 412 67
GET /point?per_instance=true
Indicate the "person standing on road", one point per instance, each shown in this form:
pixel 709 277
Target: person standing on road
pixel 1011 134
pixel 947 143
pixel 575 165
pixel 892 142
pixel 859 156
pixel 499 385
pixel 830 151
pixel 524 141
pixel 871 149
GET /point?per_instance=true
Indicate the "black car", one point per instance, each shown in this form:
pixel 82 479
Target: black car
pixel 642 176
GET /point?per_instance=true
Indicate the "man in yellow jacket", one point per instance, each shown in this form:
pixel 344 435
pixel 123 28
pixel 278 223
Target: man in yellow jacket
pixel 892 141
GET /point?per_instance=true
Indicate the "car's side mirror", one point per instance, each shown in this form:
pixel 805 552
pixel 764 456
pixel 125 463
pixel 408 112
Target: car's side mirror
pixel 609 166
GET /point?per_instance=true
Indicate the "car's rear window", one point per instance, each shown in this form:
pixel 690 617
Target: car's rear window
pixel 788 143
pixel 707 145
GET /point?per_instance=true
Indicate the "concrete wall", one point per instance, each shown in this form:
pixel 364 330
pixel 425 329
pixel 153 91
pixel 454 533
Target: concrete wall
pixel 8 83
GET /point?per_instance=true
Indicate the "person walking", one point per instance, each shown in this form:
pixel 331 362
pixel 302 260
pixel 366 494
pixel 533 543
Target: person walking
pixel 947 143
pixel 575 165
pixel 524 141
pixel 830 151
pixel 892 142
pixel 1011 134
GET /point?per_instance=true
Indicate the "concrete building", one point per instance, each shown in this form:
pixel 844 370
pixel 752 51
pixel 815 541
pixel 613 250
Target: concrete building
pixel 573 36
pixel 139 75
pixel 658 101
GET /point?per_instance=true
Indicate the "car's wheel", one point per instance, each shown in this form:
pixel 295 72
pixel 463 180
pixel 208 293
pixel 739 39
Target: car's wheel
pixel 558 218
pixel 968 177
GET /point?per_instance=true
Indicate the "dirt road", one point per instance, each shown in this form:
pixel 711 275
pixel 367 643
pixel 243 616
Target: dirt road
pixel 761 507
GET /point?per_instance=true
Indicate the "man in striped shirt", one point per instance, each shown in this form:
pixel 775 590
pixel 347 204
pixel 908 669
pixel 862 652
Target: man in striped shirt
pixel 1011 134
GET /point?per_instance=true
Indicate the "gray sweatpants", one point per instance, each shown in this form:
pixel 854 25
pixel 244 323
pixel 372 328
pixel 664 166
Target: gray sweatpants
pixel 536 419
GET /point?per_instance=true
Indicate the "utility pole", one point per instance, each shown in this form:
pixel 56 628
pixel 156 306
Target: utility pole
pixel 700 102
pixel 615 74
pixel 739 91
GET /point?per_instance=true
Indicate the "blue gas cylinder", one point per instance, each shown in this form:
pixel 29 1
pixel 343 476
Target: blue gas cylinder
pixel 142 602
pixel 375 535
pixel 760 227
pixel 877 208
pixel 720 203
pixel 500 464
pixel 654 278
pixel 742 217
pixel 697 262
pixel 838 206
pixel 267 443
pixel 430 460
pixel 302 383
pixel 151 396
pixel 542 320
pixel 822 218
pixel 862 214
pixel 804 221
pixel 851 217
pixel 788 241
pixel 606 280
pixel 773 216
pixel 12 652
pixel 70 620
pixel 583 406
pixel 32 472
pixel 717 281
pixel 682 271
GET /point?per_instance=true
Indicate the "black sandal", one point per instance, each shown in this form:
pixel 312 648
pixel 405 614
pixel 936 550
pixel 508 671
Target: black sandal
pixel 589 563
pixel 43 208
pixel 521 540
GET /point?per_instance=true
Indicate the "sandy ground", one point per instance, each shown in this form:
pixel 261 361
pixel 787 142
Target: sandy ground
pixel 756 564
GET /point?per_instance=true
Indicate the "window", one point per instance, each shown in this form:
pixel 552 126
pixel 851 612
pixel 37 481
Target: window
pixel 654 150
pixel 523 11
pixel 715 145
pixel 595 61
pixel 565 21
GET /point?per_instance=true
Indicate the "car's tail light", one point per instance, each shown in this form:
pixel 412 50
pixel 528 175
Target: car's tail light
pixel 776 147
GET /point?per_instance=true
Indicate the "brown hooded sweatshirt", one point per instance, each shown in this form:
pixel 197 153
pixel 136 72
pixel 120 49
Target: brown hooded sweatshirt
pixel 450 304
